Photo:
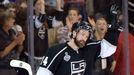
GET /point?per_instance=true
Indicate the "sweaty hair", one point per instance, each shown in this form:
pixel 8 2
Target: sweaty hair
pixel 81 25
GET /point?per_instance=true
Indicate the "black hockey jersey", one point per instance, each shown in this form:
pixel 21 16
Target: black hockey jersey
pixel 62 60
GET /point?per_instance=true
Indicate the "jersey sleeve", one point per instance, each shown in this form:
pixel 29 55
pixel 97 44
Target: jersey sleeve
pixel 112 36
pixel 40 20
pixel 51 62
pixel 59 15
pixel 58 19
pixel 109 43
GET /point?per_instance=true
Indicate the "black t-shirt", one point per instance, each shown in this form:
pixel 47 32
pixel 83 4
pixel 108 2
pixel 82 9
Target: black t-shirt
pixel 63 60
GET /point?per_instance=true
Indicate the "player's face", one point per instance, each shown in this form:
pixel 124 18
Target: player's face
pixel 81 38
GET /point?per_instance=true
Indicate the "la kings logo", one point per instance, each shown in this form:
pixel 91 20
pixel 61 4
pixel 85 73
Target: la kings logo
pixel 78 67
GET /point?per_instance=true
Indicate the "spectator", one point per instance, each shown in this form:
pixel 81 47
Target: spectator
pixel 40 32
pixel 80 4
pixel 63 33
pixel 9 43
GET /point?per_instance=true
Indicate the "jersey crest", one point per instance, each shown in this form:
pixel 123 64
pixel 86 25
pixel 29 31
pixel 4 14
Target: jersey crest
pixel 67 57
pixel 78 67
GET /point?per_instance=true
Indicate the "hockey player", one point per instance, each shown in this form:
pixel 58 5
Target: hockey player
pixel 64 59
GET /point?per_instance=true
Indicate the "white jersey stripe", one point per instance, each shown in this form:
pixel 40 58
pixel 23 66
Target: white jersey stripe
pixel 56 56
pixel 93 43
